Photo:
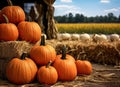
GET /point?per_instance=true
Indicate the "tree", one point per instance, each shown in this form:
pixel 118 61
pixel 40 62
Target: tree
pixel 80 18
pixel 111 17
pixel 77 18
pixel 119 18
pixel 70 17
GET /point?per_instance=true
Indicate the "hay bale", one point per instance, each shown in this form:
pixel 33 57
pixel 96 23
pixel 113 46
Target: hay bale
pixel 9 50
pixel 104 53
pixel 12 49
pixel 3 64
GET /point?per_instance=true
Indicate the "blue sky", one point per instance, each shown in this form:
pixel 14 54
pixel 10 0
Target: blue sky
pixel 87 7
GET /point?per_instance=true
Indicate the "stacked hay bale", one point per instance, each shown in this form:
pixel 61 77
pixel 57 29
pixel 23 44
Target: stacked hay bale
pixel 9 50
pixel 104 53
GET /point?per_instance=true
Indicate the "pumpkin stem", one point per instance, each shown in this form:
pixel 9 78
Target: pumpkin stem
pixel 23 56
pixel 63 52
pixel 42 40
pixel 49 63
pixel 6 19
pixel 10 2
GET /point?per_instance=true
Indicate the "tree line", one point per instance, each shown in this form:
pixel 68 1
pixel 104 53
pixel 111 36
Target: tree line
pixel 80 18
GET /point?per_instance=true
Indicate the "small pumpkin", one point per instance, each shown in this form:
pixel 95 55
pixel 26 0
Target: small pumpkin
pixel 65 67
pixel 42 53
pixel 29 31
pixel 15 14
pixel 47 74
pixel 8 31
pixel 84 67
pixel 21 71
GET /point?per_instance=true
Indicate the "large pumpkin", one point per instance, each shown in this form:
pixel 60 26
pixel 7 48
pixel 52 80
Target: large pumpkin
pixel 15 14
pixel 29 31
pixel 84 67
pixel 8 31
pixel 42 53
pixel 65 67
pixel 64 55
pixel 47 74
pixel 21 71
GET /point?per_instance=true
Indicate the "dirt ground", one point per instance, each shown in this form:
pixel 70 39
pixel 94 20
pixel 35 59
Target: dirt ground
pixel 102 76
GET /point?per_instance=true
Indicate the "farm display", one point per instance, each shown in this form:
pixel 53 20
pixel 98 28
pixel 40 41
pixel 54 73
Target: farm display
pixel 27 56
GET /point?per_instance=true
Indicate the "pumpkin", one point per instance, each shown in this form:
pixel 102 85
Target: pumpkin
pixel 47 74
pixel 42 53
pixel 84 67
pixel 29 31
pixel 21 71
pixel 65 67
pixel 15 14
pixel 64 55
pixel 8 31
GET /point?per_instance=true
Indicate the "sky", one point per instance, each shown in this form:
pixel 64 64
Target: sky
pixel 87 7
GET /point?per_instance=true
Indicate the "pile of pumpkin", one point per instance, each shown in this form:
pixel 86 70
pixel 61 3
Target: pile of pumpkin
pixel 42 63
pixel 13 25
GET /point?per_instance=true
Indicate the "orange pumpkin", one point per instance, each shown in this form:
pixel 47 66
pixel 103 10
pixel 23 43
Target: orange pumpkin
pixel 64 55
pixel 47 74
pixel 65 67
pixel 21 71
pixel 29 31
pixel 42 53
pixel 84 67
pixel 8 31
pixel 15 14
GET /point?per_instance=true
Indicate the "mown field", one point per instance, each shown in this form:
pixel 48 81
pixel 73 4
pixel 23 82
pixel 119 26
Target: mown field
pixel 104 28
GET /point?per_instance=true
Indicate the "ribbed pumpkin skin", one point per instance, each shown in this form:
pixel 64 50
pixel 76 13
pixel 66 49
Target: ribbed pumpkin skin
pixel 66 69
pixel 47 75
pixel 8 32
pixel 21 71
pixel 29 31
pixel 83 67
pixel 42 54
pixel 15 14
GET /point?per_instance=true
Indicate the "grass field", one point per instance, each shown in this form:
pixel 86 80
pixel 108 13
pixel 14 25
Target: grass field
pixel 105 28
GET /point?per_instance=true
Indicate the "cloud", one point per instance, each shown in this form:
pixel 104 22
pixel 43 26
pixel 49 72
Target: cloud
pixel 112 10
pixel 66 0
pixel 65 9
pixel 63 6
pixel 105 1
